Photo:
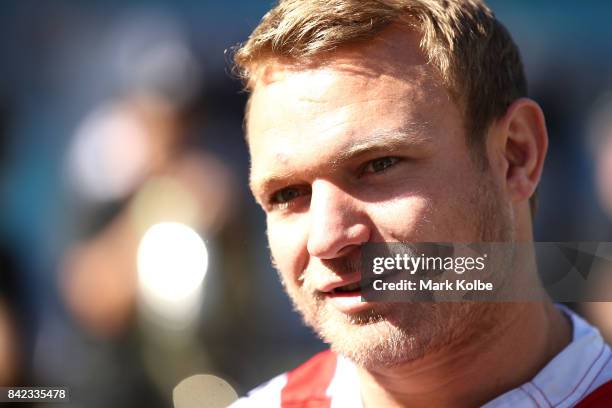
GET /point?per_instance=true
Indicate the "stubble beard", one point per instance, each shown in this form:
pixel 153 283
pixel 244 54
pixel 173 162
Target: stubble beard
pixel 392 334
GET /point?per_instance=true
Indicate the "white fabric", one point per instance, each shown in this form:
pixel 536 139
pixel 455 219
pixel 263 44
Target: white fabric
pixel 574 373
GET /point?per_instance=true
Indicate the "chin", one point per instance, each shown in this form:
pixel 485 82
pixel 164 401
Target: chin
pixel 396 334
pixel 374 339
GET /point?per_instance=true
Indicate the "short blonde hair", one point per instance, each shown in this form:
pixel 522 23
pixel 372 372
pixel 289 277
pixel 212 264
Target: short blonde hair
pixel 475 55
pixel 478 61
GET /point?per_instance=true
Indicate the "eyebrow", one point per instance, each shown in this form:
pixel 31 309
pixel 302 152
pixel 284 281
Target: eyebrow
pixel 264 184
pixel 395 139
pixel 412 135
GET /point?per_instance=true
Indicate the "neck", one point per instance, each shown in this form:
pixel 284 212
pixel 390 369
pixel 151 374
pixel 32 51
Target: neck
pixel 529 335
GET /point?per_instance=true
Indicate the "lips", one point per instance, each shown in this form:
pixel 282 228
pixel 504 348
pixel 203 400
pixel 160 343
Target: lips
pixel 349 285
pixel 346 297
pixel 352 287
pixel 344 292
pixel 340 284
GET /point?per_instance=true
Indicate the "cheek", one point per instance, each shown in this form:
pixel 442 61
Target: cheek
pixel 434 215
pixel 288 247
pixel 402 219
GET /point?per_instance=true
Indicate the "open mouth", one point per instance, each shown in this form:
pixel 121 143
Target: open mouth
pixel 349 298
pixel 358 287
pixel 355 287
pixel 347 289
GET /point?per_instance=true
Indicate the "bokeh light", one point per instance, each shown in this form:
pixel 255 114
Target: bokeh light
pixel 204 391
pixel 172 264
pixel 109 154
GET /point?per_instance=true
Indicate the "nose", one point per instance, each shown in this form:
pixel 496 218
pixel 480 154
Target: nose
pixel 337 223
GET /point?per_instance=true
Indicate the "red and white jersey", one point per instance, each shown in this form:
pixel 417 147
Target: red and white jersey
pixel 580 376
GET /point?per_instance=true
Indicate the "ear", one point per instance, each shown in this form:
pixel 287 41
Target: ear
pixel 522 143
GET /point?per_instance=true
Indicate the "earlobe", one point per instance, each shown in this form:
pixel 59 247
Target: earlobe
pixel 526 143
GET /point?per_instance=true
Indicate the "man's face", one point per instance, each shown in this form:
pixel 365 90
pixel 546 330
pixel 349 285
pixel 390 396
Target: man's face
pixel 366 147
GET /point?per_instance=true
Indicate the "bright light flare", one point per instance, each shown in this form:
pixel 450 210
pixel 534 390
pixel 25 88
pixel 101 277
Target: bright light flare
pixel 172 264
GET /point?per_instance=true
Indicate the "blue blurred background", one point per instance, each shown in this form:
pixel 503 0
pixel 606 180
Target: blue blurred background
pixel 119 116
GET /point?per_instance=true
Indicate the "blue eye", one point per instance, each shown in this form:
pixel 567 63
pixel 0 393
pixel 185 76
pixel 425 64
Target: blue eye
pixel 283 197
pixel 379 165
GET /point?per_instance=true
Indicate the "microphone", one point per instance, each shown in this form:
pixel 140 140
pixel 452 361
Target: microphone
pixel 203 391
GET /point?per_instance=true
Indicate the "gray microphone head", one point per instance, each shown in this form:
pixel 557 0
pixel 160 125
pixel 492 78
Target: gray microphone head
pixel 203 391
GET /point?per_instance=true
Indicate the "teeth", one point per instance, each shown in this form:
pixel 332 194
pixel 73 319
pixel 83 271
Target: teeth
pixel 348 288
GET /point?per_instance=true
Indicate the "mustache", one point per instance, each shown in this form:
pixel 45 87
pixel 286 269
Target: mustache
pixel 354 262
pixel 347 265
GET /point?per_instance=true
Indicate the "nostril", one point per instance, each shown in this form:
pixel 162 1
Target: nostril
pixel 337 241
pixel 347 249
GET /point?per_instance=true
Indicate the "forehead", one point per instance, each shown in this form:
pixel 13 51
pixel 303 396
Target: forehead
pixel 333 105
pixel 392 56
pixel 364 90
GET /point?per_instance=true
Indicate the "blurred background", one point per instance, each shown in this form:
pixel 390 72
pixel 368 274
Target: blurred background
pixel 121 153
